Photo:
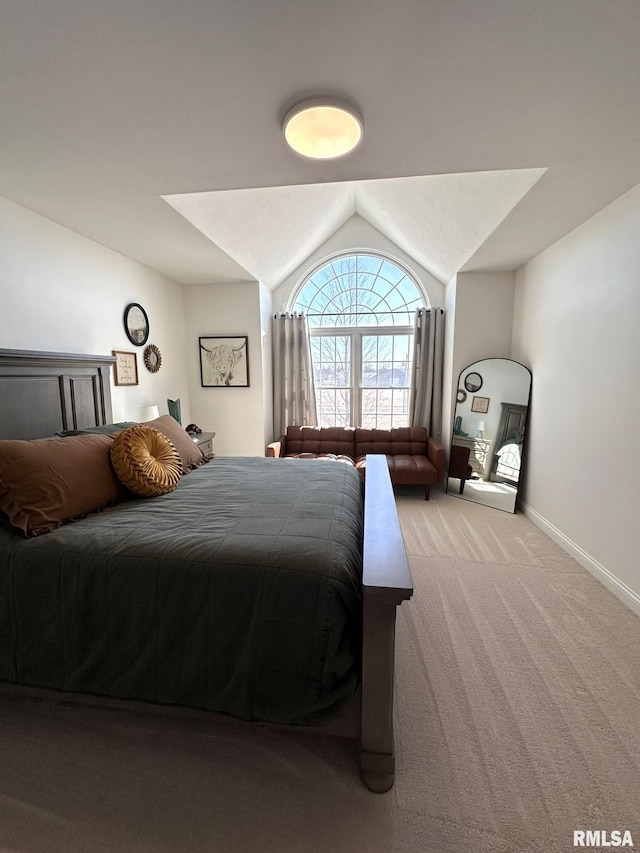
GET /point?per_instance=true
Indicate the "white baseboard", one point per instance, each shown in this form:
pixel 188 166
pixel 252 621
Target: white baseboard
pixel 614 584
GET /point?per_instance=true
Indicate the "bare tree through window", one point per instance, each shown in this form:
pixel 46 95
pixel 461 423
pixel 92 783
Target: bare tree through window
pixel 360 310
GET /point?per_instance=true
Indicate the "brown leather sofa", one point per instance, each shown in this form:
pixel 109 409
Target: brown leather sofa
pixel 414 458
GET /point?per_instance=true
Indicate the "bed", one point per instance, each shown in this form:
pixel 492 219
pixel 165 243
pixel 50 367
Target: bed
pixel 257 589
pixel 508 462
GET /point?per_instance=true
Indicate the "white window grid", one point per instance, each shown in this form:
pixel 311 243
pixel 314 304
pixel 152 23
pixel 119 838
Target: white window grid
pixel 345 403
pixel 353 297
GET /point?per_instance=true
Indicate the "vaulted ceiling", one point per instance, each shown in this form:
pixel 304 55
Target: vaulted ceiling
pixel 153 127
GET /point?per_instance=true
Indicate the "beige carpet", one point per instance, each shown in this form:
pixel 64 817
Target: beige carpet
pixel 486 492
pixel 518 694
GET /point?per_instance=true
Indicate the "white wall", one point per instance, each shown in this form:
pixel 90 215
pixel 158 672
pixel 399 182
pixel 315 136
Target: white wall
pixel 266 323
pixel 576 325
pixel 479 319
pixel 449 372
pixel 61 292
pixel 483 318
pixel 236 415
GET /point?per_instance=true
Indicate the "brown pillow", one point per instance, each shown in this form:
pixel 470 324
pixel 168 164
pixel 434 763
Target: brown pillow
pixel 190 454
pixel 50 481
pixel 145 461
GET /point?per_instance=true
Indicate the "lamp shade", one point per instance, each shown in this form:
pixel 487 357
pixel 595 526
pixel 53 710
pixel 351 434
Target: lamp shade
pixel 322 129
pixel 149 413
pixel 482 425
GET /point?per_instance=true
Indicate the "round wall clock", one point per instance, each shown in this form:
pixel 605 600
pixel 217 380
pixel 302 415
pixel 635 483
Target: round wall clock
pixel 136 324
pixel 152 358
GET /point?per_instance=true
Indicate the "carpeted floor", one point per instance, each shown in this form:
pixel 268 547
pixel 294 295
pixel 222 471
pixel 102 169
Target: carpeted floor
pixel 518 721
pixel 486 492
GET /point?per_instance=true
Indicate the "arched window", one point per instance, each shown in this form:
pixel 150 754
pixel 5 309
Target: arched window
pixel 360 309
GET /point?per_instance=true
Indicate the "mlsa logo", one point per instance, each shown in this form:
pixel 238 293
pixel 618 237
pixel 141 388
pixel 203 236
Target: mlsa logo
pixel 602 838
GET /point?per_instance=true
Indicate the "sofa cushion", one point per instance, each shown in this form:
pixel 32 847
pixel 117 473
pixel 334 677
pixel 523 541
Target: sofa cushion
pixel 321 440
pixel 411 441
pixel 406 469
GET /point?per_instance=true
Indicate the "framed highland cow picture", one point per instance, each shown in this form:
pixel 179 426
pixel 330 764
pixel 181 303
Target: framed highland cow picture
pixel 224 361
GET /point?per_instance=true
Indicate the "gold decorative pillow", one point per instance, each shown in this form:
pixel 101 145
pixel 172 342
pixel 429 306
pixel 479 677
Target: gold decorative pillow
pixel 145 461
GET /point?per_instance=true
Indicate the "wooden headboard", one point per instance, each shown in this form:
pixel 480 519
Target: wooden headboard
pixel 43 392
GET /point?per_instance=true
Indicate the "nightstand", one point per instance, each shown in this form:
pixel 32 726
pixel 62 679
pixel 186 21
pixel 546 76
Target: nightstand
pixel 204 440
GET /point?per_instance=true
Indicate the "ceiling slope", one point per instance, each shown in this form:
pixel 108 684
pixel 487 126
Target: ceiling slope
pixel 107 108
pixel 439 220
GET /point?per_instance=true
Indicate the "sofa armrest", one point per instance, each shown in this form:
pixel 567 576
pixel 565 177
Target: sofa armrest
pixel 277 448
pixel 435 454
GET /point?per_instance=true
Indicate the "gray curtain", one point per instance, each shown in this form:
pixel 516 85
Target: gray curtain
pixel 425 398
pixel 294 395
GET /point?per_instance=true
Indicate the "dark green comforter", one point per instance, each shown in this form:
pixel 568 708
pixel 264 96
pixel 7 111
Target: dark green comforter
pixel 239 592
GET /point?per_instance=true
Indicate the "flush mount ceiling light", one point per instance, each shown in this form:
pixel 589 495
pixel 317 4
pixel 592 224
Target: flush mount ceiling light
pixel 322 129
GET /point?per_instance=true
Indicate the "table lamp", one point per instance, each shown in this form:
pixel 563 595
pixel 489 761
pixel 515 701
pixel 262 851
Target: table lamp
pixel 149 413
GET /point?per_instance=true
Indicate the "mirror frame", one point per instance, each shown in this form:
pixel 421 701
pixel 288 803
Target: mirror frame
pixel 474 388
pixel 457 431
pixel 135 339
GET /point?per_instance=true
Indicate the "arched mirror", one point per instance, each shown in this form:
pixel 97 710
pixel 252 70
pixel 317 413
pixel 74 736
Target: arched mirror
pixel 489 432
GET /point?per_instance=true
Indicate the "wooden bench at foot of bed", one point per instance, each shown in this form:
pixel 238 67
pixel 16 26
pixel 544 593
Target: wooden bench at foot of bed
pixel 386 584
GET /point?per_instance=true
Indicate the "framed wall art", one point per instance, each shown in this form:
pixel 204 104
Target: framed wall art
pixel 125 368
pixel 224 361
pixel 480 404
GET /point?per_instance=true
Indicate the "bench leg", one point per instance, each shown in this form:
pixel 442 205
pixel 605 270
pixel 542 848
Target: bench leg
pixel 377 759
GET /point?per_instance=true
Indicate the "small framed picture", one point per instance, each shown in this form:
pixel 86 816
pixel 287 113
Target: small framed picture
pixel 480 404
pixel 125 368
pixel 224 361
